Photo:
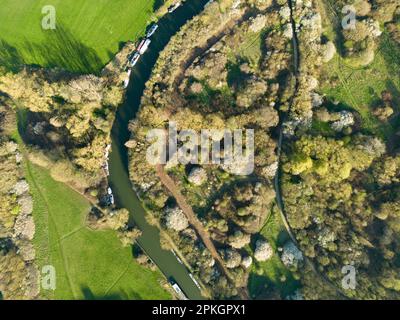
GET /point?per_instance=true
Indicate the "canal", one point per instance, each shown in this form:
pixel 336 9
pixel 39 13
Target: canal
pixel 118 164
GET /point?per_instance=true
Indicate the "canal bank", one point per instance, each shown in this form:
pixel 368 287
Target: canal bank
pixel 118 164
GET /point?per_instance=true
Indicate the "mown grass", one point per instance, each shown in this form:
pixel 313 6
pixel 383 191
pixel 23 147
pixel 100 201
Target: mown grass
pixel 89 264
pixel 88 33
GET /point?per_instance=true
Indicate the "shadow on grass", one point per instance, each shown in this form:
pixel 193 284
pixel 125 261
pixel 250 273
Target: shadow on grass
pixel 391 54
pixel 89 295
pixel 395 92
pixel 63 50
pixel 9 57
pixel 236 78
pixel 59 49
pixel 262 287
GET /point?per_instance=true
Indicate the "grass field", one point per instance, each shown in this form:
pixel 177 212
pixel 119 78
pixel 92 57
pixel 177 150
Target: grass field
pixel 89 264
pixel 360 88
pixel 88 32
pixel 272 273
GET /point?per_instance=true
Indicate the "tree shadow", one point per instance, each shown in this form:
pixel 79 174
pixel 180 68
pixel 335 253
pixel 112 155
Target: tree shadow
pixel 259 286
pixel 395 92
pixel 89 295
pixel 390 51
pixel 236 78
pixel 60 49
pixel 10 58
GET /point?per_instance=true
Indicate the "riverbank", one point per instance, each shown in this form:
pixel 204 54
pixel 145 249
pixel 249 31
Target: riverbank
pixel 118 165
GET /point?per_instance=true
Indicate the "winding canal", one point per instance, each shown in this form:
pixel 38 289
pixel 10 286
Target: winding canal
pixel 118 164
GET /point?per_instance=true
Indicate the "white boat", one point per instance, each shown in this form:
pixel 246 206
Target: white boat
pixel 174 7
pixel 145 46
pixel 126 83
pixel 109 198
pixel 140 45
pixel 176 256
pixel 152 30
pixel 133 61
pixel 194 280
pixel 177 288
pixel 179 291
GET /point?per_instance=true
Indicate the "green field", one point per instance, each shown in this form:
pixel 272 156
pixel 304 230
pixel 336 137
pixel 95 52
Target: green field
pixel 89 264
pixel 360 89
pixel 88 32
pixel 272 274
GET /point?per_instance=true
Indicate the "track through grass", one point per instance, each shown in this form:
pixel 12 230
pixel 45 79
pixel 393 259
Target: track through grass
pixel 89 264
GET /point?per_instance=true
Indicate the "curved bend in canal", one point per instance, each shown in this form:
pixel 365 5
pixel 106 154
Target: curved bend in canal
pixel 119 177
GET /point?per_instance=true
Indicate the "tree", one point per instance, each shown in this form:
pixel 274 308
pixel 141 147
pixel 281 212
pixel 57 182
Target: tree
pixel 118 219
pixel 232 258
pixel 128 237
pixel 239 239
pixel 175 219
pixel 263 251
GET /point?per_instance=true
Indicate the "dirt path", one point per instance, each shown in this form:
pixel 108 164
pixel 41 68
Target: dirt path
pixel 197 225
